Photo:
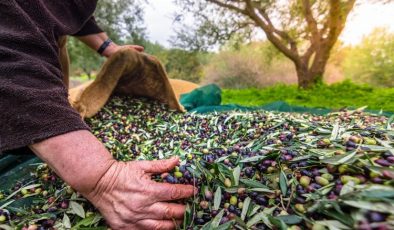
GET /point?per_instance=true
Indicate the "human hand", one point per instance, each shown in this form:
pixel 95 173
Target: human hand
pixel 128 198
pixel 113 48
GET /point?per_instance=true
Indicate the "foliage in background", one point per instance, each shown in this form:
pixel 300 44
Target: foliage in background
pixel 84 61
pixel 122 20
pixel 335 96
pixel 179 64
pixel 257 64
pixel 236 64
pixel 372 61
pixel 304 31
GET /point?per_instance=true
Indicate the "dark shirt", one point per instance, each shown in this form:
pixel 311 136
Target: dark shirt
pixel 33 98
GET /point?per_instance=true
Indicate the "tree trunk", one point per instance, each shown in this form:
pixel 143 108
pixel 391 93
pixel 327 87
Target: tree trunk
pixel 308 77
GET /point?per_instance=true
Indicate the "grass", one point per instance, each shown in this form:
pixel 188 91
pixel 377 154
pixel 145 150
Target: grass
pixel 336 96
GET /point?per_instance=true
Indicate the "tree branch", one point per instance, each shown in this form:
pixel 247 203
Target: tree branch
pixel 228 6
pixel 336 20
pixel 311 22
pixel 335 24
pixel 270 33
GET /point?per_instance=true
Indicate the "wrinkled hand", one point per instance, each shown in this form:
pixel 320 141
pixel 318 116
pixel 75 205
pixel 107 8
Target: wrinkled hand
pixel 128 198
pixel 113 48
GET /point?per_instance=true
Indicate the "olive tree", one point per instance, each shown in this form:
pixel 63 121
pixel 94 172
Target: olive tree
pixel 305 31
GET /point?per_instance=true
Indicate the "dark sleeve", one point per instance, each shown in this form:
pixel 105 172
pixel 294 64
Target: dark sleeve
pixel 33 99
pixel 33 109
pixel 90 27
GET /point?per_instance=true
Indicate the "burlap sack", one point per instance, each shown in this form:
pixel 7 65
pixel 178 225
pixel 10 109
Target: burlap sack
pixel 132 73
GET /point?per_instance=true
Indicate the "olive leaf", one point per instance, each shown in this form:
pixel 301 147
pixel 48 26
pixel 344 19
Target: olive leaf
pixel 283 183
pixel 236 174
pixel 290 219
pixel 66 221
pixel 217 198
pixel 340 159
pixel 253 183
pixel 77 209
pixel 259 217
pixel 214 223
pixel 6 227
pixel 278 222
pixel 373 206
pixel 245 208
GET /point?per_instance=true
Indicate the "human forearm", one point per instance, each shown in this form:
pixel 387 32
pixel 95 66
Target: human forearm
pixel 94 41
pixel 77 157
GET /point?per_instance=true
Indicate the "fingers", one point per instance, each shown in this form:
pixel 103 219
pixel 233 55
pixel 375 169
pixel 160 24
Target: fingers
pixel 138 48
pixel 167 211
pixel 168 192
pixel 159 224
pixel 159 166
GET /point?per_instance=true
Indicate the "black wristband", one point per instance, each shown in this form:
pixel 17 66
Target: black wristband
pixel 105 44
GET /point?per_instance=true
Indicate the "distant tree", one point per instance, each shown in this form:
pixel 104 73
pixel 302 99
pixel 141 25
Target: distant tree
pixel 122 20
pixel 83 59
pixel 305 31
pixel 186 65
pixel 372 61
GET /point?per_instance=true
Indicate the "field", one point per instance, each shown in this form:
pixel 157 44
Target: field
pixel 335 96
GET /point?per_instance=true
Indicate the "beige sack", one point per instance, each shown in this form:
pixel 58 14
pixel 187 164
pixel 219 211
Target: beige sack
pixel 131 73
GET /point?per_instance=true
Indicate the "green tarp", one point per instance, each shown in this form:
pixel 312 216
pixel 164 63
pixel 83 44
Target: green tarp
pixel 202 100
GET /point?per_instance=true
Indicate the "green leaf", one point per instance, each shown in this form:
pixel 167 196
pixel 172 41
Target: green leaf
pixel 340 159
pixel 347 188
pixel 236 174
pixel 259 217
pixel 378 194
pixel 217 199
pixel 66 221
pixel 253 183
pixel 188 216
pixel 88 221
pixel 6 204
pixel 245 208
pixel 373 206
pixel 376 148
pixel 225 226
pixel 283 183
pixel 337 214
pixel 278 223
pixel 17 191
pixel 77 209
pixel 221 159
pixel 332 224
pixel 214 223
pixel 5 227
pixel 263 190
pixel 334 133
pixel 290 219
pixel 240 222
pixel 253 159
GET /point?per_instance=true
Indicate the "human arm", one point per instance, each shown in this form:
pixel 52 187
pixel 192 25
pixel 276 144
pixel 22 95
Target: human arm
pixel 123 192
pixel 94 41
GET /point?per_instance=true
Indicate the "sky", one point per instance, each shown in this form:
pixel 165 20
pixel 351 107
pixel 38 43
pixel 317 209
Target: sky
pixel 159 21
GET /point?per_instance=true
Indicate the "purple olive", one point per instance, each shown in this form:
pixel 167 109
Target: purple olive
pixel 261 200
pixel 383 162
pixel 376 217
